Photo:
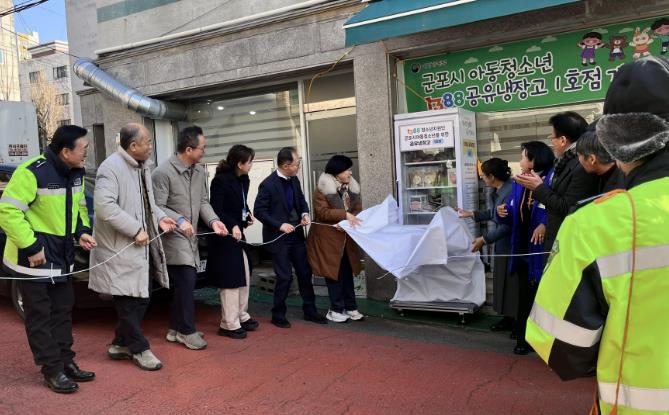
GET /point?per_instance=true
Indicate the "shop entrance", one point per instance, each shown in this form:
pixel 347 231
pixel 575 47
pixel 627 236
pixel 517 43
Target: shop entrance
pixel 330 123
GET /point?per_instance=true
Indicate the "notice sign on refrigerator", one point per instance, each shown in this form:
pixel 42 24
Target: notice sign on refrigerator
pixel 426 135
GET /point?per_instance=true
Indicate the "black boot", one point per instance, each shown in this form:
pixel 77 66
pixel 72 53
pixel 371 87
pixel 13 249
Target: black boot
pixel 60 383
pixel 240 333
pixel 250 324
pixel 506 323
pixel 73 372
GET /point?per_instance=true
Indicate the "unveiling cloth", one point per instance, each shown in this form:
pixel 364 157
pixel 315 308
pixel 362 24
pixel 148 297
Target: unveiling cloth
pixel 432 263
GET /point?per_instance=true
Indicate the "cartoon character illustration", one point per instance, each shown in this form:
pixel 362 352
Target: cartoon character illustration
pixel 591 41
pixel 661 31
pixel 640 41
pixel 616 44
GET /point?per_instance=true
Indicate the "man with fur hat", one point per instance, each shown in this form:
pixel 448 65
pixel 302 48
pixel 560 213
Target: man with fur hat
pixel 601 307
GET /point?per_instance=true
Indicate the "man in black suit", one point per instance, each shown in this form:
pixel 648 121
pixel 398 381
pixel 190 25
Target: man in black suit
pixel 280 206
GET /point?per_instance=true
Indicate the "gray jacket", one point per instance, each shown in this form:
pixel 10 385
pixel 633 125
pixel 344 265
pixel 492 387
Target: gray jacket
pixel 182 191
pixel 500 233
pixel 119 215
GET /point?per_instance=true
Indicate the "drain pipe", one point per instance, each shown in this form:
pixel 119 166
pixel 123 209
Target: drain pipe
pixel 129 97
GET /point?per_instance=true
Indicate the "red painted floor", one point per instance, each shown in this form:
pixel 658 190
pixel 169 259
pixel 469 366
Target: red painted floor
pixel 308 369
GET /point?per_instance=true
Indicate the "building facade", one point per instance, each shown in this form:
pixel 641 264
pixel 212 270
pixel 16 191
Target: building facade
pixel 280 72
pixel 9 53
pixel 46 72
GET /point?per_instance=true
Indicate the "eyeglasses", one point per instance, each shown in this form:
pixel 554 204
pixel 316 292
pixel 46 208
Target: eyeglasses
pixel 552 137
pixel 295 163
pixel 198 148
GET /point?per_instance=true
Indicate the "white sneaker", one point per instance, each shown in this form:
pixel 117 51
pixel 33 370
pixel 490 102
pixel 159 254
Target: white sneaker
pixel 336 317
pixel 193 341
pixel 147 360
pixel 171 335
pixel 355 315
pixel 118 352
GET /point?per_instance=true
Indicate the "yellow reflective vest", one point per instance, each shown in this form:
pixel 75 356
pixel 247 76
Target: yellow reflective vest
pixel 43 207
pixel 603 302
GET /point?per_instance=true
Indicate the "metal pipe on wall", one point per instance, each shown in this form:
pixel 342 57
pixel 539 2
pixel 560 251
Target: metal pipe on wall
pixel 129 97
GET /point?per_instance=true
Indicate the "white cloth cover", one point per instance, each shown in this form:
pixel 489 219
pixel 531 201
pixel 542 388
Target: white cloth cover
pixel 432 263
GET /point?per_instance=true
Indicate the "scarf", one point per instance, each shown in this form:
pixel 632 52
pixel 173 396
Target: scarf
pixel 345 197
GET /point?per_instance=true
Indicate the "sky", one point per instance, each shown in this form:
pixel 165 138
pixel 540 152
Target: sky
pixel 47 19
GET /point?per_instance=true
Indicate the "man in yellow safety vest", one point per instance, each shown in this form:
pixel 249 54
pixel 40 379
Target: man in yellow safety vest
pixel 602 305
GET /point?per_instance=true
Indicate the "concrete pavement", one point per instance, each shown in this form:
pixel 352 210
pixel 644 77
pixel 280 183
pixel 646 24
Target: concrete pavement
pixel 371 367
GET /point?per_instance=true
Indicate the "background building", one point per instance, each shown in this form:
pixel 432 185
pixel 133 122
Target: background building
pixel 9 52
pixel 45 82
pixel 326 76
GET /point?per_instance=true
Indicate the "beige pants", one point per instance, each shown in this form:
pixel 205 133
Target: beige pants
pixel 235 302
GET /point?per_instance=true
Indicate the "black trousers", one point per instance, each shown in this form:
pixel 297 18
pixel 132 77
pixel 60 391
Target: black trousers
pixel 526 292
pixel 292 251
pixel 342 291
pixel 182 314
pixel 130 312
pixel 48 310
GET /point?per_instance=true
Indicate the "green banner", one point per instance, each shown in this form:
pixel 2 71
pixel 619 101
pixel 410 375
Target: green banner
pixel 557 69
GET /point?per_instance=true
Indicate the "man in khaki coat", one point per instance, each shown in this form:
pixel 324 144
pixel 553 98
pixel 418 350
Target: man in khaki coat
pixel 180 189
pixel 126 214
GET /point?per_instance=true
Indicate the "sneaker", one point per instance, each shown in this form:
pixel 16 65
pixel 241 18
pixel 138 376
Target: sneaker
pixel 118 352
pixel 355 315
pixel 250 324
pixel 147 360
pixel 171 335
pixel 193 341
pixel 336 317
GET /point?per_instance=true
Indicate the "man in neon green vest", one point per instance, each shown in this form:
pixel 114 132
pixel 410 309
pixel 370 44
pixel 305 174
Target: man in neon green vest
pixel 602 305
pixel 43 211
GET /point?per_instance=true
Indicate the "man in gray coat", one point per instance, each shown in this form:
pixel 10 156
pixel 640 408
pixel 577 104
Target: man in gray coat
pixel 126 221
pixel 180 186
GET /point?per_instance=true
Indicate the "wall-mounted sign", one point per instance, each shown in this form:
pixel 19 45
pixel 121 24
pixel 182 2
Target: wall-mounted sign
pixel 557 69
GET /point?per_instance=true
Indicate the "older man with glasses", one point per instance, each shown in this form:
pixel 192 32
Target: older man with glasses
pixel 281 207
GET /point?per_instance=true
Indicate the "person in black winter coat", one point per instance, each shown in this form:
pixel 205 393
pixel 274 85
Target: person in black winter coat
pixel 595 159
pixel 228 266
pixel 570 182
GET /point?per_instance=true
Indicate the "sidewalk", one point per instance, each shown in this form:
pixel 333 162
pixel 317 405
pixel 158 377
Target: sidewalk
pixel 377 366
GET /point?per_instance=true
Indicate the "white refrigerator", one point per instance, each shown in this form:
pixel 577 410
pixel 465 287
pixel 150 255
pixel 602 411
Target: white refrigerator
pixel 436 163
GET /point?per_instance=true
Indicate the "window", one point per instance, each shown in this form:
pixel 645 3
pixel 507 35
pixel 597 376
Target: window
pixel 63 99
pixel 2 57
pixel 60 72
pixel 35 76
pixel 500 134
pixel 265 121
pixel 64 122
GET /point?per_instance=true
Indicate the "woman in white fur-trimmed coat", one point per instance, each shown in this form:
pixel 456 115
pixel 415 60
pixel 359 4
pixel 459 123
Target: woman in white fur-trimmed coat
pixel 332 254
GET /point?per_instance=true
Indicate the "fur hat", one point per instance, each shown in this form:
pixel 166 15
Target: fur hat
pixel 338 164
pixel 635 123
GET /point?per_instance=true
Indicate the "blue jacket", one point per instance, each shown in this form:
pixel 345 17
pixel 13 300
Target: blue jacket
pixel 537 217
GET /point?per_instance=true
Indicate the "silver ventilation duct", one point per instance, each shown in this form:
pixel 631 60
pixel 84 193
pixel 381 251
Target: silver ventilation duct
pixel 129 97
